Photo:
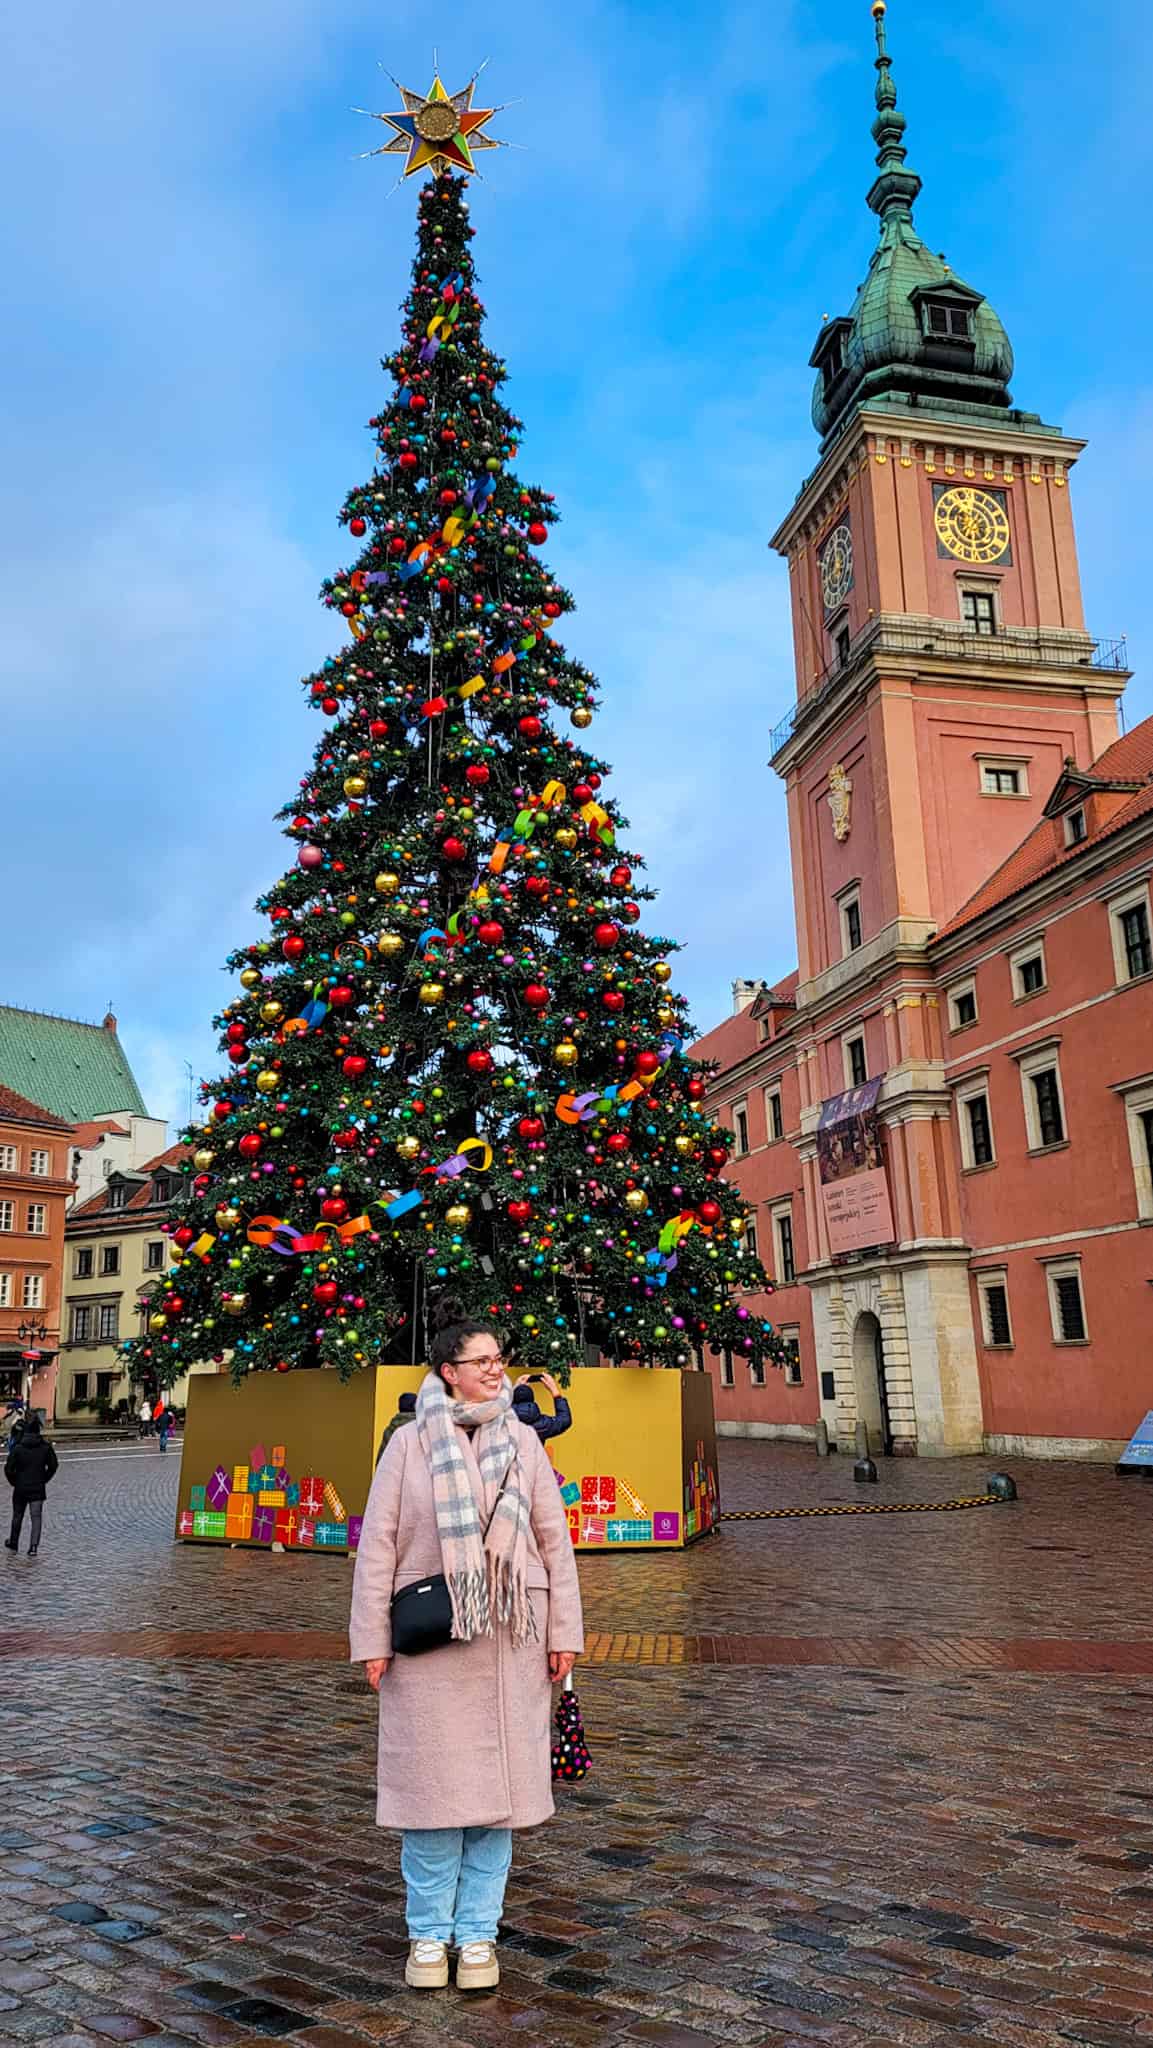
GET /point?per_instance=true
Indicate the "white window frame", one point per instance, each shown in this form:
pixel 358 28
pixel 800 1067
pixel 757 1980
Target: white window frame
pixel 968 987
pixel 850 900
pixel 152 1265
pixel 1076 838
pixel 782 1212
pixel 792 1371
pixel 40 1163
pixel 1136 898
pixel 756 1372
pixel 109 1251
pixel 84 1251
pixel 978 586
pixel 1137 1098
pixel 106 1310
pixel 724 1358
pixel 850 1038
pixel 7 1215
pixel 5 1290
pixel 1033 950
pixel 80 1386
pixel 741 1144
pixel 1037 1060
pixel 81 1323
pixel 1065 1269
pixel 9 1158
pixel 994 1276
pixel 772 1135
pixel 32 1292
pixel 1001 764
pixel 968 1090
pixel 37 1219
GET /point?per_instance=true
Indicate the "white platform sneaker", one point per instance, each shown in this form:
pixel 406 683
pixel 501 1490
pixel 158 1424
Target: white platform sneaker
pixel 427 1965
pixel 477 1968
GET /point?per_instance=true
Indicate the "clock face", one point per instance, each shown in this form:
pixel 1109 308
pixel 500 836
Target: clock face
pixel 837 567
pixel 971 524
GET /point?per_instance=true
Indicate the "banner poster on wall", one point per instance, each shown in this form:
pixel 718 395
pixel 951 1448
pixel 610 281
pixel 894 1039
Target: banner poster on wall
pixel 854 1183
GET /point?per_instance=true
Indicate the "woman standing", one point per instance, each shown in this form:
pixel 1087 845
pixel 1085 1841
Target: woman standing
pixel 465 1729
pixel 32 1463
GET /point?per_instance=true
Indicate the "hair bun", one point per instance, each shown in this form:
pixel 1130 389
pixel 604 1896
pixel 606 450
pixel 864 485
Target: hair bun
pixel 449 1311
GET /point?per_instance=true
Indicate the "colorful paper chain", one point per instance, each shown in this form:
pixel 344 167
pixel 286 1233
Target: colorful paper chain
pixel 277 1235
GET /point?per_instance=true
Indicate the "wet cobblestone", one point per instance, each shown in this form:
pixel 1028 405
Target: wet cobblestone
pixel 791 1853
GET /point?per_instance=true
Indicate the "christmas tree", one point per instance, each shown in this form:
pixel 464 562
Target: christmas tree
pixel 456 1060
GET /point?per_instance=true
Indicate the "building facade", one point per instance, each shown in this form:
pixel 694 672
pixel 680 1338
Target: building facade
pixel 117 1253
pixel 105 1145
pixel 34 1191
pixel 79 1071
pixel 944 1118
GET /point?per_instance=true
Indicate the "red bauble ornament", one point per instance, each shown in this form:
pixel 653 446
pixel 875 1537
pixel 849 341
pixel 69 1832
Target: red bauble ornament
pixel 325 1292
pixel 536 995
pixel 350 607
pixel 292 947
pixel 238 1054
pixel 630 912
pixel 221 1109
pixel 552 609
pixel 530 1128
pixel 172 1304
pixel 617 1141
pixel 237 1031
pixel 334 1208
pixel 448 497
pixel 581 793
pixel 448 436
pixel 250 1144
pixel 709 1212
pixel 717 1155
pixel 621 877
pixel 605 936
pixel 477 774
pixel 408 460
pixel 355 1065
pixel 613 1000
pixel 479 1061
pixel 519 1212
pixel 648 1063
pixel 378 729
pixel 184 1236
pixel 695 1089
pixel 529 727
pixel 346 1141
pixel 453 848
pixel 418 402
pixel 397 544
pixel 358 526
pixel 537 532
pixel 444 585
pixel 536 885
pixel 340 997
pixel 282 1365
pixel 490 933
pixel 329 705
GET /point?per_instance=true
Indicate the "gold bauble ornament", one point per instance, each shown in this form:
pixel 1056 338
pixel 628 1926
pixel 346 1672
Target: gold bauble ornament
pixel 581 717
pixel 251 977
pixel 228 1218
pixel 236 1304
pixel 203 1159
pixel 408 1148
pixel 157 1323
pixel 268 1081
pixel 663 971
pixel 683 1143
pixel 665 1015
pixel 431 993
pixel 566 1053
pixel 271 1013
pixel 389 945
pixel 354 786
pixel 459 1216
pixel 565 837
pixel 387 885
pixel 637 1201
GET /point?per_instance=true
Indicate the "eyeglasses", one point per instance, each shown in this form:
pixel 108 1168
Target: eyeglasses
pixel 496 1359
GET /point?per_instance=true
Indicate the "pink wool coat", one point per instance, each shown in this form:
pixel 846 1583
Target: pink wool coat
pixel 466 1731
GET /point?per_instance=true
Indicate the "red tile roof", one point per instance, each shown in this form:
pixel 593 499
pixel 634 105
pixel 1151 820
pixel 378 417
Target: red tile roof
pixel 90 1134
pixel 97 1205
pixel 1129 759
pixel 20 1111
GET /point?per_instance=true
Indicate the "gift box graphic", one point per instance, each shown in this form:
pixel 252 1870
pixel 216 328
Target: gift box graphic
pixel 240 1475
pixel 287 1524
pixel 238 1516
pixel 312 1495
pixel 255 1482
pixel 305 1533
pixel 264 1525
pixel 257 1457
pixel 283 1477
pixel 334 1504
pixel 570 1493
pixel 271 1497
pixel 593 1529
pixel 355 1525
pixel 599 1495
pixel 186 1521
pixel 292 1495
pixel 279 1454
pixel 218 1488
pixel 196 1498
pixel 573 1518
pixel 331 1536
pixel 209 1523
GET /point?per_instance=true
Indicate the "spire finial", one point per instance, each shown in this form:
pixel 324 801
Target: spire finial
pixel 895 188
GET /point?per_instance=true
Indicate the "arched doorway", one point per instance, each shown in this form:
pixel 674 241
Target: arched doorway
pixel 869 1378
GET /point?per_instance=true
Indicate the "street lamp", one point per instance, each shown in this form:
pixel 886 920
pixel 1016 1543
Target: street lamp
pixel 31 1335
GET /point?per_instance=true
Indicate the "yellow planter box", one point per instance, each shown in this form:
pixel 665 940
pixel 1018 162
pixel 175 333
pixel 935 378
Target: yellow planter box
pixel 637 1470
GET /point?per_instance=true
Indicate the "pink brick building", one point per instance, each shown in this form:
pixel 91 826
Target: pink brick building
pixel 960 1244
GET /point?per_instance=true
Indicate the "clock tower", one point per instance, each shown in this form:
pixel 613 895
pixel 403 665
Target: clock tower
pixel 943 676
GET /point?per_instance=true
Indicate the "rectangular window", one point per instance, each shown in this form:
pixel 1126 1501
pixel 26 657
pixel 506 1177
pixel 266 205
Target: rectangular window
pixel 774 1114
pixel 110 1258
pixel 1066 1302
pixel 980 1130
pixel 80 1386
pixel 996 1328
pixel 842 646
pixel 162 1189
pixel 1047 1095
pixel 953 323
pixel 5 1290
pixel 105 1381
pixel 856 1064
pixel 1135 940
pixel 1146 1116
pixel 963 1006
pixel 1044 1103
pixel 978 608
pixel 726 1358
pixel 82 1270
pixel 790 1336
pixel 1138 1102
pixel 81 1323
pixel 786 1272
pixel 1075 827
pixel 1031 975
pixel 741 1127
pixel 851 913
pixel 37 1218
pixel 109 1322
pixel 117 1195
pixel 9 1159
pixel 33 1290
pixel 757 1372
pixel 1000 781
pixel 751 1239
pixel 154 1258
pixel 40 1163
pixel 7 1215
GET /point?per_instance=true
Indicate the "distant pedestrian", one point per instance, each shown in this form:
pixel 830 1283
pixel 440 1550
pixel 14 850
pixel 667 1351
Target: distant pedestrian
pixel 31 1464
pixel 164 1427
pixel 144 1418
pixel 405 1412
pixel 526 1408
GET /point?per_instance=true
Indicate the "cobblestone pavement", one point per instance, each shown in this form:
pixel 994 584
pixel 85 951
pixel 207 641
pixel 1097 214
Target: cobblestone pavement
pixel 923 1816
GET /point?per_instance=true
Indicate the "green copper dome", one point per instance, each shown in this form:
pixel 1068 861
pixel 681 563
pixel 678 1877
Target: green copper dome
pixel 918 337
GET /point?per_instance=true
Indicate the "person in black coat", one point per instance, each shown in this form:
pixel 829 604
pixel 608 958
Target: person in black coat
pixel 526 1409
pixel 31 1464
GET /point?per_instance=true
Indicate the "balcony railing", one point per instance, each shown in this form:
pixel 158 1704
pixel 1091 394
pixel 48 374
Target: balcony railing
pixel 1009 646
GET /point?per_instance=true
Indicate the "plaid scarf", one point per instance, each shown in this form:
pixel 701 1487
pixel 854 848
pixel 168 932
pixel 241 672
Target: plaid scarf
pixel 485 1568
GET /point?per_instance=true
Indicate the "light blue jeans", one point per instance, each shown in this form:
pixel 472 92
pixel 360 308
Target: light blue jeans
pixel 456 1879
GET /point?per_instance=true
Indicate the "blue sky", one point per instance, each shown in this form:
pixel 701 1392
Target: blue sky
pixel 202 279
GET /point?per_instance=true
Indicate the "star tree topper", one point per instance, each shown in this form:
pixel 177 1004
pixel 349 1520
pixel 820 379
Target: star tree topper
pixel 436 129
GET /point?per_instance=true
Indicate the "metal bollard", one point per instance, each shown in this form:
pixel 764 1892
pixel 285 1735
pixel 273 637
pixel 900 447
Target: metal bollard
pixel 821 1438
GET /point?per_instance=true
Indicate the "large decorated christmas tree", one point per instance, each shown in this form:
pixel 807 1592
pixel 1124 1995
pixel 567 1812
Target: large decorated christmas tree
pixel 456 1060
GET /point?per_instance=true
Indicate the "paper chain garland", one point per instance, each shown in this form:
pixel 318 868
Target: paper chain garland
pixel 277 1235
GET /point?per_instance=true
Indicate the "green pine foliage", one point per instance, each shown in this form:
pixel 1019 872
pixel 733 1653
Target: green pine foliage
pixel 454 974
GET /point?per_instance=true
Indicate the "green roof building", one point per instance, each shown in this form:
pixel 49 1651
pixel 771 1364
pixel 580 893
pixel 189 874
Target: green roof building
pixel 79 1071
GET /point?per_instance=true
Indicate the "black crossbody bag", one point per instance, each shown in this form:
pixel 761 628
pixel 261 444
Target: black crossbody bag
pixel 421 1616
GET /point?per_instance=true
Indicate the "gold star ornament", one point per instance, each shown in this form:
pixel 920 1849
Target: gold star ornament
pixel 436 130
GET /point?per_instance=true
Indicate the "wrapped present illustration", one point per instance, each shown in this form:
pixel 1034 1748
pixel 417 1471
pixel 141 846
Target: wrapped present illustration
pixel 355 1525
pixel 599 1495
pixel 666 1526
pixel 573 1518
pixel 292 1495
pixel 633 1497
pixel 240 1478
pixel 267 1477
pixel 330 1536
pixel 218 1488
pixel 636 1531
pixel 264 1525
pixel 287 1524
pixel 333 1503
pixel 257 1457
pixel 255 1482
pixel 271 1497
pixel 238 1517
pixel 305 1533
pixel 209 1523
pixel 593 1529
pixel 312 1495
pixel 279 1454
pixel 185 1523
pixel 570 1493
pixel 197 1499
pixel 283 1477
